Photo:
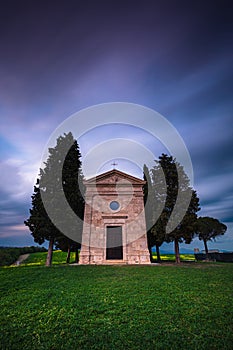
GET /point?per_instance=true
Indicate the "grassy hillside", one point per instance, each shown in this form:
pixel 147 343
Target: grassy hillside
pixel 9 255
pixel 110 307
pixel 59 257
pixel 38 259
pixel 171 257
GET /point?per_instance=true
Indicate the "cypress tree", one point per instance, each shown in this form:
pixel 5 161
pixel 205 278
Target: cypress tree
pixel 168 179
pixel 61 177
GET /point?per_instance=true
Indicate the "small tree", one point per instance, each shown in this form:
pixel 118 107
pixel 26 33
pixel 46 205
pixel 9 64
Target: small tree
pixel 208 229
pixel 60 177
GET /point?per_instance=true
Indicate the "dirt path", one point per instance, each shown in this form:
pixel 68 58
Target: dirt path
pixel 21 258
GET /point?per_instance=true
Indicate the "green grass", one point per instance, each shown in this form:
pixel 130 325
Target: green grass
pixel 113 307
pixel 171 257
pixel 59 257
pixel 38 259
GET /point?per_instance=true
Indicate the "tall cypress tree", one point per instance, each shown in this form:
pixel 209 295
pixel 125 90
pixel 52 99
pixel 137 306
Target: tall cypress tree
pixel 177 181
pixel 168 179
pixel 149 205
pixel 61 177
pixel 154 202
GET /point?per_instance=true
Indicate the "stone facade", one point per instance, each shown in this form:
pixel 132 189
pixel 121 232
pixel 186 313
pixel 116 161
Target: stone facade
pixel 114 228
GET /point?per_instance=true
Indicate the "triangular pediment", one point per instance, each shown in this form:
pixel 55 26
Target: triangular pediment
pixel 114 176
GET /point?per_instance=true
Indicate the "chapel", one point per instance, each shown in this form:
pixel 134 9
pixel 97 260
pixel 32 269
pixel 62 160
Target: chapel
pixel 114 229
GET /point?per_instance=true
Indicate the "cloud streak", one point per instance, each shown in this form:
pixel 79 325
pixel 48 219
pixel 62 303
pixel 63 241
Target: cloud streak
pixel 174 58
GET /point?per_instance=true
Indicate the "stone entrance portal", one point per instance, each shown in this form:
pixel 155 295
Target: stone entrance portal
pixel 114 229
pixel 114 247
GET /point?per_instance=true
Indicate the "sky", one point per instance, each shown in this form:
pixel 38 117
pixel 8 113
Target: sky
pixel 59 57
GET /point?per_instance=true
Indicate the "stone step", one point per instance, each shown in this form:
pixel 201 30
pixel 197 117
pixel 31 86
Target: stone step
pixel 114 262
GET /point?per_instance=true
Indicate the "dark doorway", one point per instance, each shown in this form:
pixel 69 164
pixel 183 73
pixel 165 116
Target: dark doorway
pixel 114 243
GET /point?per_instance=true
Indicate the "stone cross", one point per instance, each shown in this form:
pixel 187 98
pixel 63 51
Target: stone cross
pixel 114 164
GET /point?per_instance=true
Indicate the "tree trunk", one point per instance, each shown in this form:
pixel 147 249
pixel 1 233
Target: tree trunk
pixel 177 251
pixel 68 255
pixel 50 252
pixel 158 253
pixel 76 256
pixel 150 252
pixel 206 249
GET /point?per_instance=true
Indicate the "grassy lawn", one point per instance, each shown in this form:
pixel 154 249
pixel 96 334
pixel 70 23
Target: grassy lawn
pixel 59 257
pixel 171 257
pixel 38 259
pixel 113 307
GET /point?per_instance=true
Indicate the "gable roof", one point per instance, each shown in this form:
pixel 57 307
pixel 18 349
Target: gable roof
pixel 114 172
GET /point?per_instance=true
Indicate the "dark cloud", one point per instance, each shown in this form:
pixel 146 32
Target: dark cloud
pixel 58 57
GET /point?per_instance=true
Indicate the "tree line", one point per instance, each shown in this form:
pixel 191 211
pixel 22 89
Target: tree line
pixel 9 255
pixel 163 183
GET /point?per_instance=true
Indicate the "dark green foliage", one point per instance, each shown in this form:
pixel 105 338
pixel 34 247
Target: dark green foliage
pixel 39 222
pixel 72 178
pixel 154 201
pixel 74 191
pixel 57 202
pixel 208 229
pixel 106 307
pixel 185 231
pixel 167 180
pixel 149 203
pixel 9 255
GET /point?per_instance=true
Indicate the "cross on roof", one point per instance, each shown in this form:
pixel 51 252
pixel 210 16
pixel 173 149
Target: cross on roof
pixel 114 164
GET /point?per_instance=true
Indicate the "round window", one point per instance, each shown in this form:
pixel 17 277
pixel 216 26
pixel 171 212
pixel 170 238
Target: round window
pixel 114 205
